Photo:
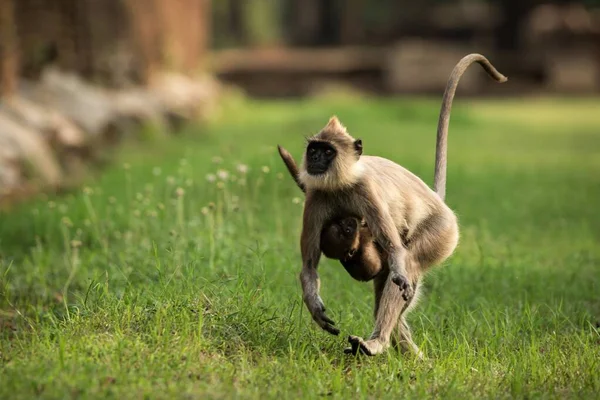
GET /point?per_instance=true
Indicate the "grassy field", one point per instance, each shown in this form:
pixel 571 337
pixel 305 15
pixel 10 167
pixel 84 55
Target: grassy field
pixel 176 274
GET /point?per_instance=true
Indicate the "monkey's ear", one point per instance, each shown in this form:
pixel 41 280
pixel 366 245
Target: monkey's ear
pixel 358 146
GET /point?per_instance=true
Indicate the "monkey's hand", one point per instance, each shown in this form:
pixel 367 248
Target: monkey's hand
pixel 404 285
pixel 317 310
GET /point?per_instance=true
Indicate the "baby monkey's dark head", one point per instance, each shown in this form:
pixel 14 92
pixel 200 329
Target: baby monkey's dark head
pixel 349 227
pixel 348 231
pixel 331 160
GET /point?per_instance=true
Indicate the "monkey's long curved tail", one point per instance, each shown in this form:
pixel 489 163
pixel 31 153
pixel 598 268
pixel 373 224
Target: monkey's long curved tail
pixel 441 147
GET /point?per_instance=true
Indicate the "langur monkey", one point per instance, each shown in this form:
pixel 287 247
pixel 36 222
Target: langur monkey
pixel 341 182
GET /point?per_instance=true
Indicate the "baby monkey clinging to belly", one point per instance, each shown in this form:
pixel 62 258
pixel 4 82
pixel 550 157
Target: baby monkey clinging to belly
pixel 350 241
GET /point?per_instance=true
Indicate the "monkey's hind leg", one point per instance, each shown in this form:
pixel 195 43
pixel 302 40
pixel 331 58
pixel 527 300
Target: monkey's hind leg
pixel 404 338
pixel 388 306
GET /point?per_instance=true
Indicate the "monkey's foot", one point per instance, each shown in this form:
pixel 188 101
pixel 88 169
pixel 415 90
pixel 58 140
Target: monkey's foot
pixel 368 347
pixel 404 285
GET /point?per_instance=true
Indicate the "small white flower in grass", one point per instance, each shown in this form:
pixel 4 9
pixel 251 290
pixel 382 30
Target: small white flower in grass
pixel 204 210
pixel 279 176
pixel 160 206
pixel 242 168
pixel 136 213
pixel 220 185
pixel 223 174
pixel 211 206
pixel 152 214
pixel 296 200
pixel 179 192
pixel 170 180
pixel 217 160
pixel 265 169
pixel 156 171
pixel 75 243
pixel 242 182
pixel 67 222
pixel 51 204
pixel 211 177
pixel 88 190
pixel 126 166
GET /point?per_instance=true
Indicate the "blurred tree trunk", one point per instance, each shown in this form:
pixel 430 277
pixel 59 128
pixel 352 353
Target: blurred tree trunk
pixel 305 20
pixel 145 33
pixel 236 21
pixel 181 24
pixel 67 40
pixel 9 57
pixel 228 21
pixel 514 15
pixel 352 24
pixel 111 41
pixel 170 34
pixel 203 33
pixel 329 23
pixel 262 22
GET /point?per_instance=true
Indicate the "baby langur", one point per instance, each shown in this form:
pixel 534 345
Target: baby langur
pixel 340 182
pixel 350 241
pixel 347 239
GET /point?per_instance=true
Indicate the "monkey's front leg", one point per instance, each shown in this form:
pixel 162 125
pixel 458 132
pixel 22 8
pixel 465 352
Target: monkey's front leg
pixel 386 234
pixel 399 274
pixel 310 288
pixel 309 278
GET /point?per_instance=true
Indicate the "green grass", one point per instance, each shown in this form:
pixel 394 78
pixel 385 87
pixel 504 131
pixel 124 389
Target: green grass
pixel 132 288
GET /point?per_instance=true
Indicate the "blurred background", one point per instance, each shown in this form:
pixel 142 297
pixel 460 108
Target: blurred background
pixel 79 75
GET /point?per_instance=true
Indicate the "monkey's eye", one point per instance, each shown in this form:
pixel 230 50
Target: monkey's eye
pixel 328 152
pixel 347 230
pixel 312 150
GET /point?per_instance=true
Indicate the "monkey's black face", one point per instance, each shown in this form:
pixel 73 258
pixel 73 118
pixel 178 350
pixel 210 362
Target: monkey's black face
pixel 319 156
